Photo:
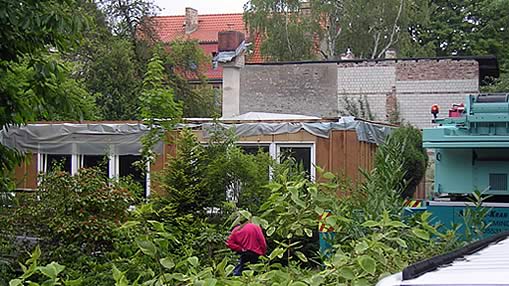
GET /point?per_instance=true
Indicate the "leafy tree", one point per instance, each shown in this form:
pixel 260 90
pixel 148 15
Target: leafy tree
pixel 287 34
pixel 328 28
pixel 407 141
pixel 112 75
pixel 467 28
pixel 157 101
pixel 370 27
pixel 186 64
pixel 29 29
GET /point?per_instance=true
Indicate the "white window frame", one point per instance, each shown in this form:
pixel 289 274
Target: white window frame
pixel 275 151
pixel 77 163
pixel 299 144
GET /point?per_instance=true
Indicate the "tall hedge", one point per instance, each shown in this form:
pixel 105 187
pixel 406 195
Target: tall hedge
pixel 413 156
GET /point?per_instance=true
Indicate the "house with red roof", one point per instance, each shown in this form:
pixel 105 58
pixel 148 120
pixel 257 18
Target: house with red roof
pixel 203 28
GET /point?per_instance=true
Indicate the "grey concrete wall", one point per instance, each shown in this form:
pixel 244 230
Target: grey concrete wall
pixel 308 89
pixel 319 89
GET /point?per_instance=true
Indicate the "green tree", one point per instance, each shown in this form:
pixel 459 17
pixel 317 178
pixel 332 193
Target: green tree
pixel 300 30
pixel 469 27
pixel 186 63
pixel 29 30
pixel 407 140
pixel 287 34
pixel 112 75
pixel 157 101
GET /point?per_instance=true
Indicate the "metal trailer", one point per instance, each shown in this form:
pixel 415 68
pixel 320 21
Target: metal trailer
pixel 485 262
pixel 471 149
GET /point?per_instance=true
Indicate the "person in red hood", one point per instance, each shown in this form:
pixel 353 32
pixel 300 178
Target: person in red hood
pixel 247 239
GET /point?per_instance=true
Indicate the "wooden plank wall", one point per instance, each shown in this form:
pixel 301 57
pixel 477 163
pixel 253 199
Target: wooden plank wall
pixel 343 154
pixel 25 174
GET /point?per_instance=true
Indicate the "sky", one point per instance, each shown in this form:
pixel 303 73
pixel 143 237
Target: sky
pixel 177 7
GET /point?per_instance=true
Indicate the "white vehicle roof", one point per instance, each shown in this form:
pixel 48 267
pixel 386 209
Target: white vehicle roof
pixel 485 262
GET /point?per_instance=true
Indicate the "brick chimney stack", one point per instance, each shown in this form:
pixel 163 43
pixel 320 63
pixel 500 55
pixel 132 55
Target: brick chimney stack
pixel 229 40
pixel 191 24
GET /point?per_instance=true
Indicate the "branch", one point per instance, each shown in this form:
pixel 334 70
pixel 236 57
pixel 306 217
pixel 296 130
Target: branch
pixel 377 41
pixel 394 28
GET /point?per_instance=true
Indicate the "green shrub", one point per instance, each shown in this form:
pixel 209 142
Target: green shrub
pixel 413 157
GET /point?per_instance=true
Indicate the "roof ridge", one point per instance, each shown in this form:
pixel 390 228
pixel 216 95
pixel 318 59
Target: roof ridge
pixel 219 14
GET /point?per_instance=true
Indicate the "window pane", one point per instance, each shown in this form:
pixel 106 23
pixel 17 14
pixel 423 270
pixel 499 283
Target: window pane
pixel 253 149
pixel 99 161
pixel 302 155
pixel 63 162
pixel 126 168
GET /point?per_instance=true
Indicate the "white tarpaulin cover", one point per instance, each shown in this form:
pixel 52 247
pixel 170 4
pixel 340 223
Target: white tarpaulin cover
pixel 125 138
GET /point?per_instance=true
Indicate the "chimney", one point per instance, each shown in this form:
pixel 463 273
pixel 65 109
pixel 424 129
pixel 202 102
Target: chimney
pixel 390 54
pixel 228 42
pixel 191 20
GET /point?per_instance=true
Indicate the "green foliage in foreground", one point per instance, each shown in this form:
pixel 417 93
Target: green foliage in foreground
pixel 161 245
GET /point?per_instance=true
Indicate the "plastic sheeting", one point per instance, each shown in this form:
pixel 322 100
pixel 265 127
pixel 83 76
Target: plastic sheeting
pixel 125 138
pixel 225 57
pixel 366 131
pixel 69 138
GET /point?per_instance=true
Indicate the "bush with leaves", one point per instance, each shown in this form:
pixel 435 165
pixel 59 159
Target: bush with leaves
pixel 70 217
pixel 407 140
pixel 199 177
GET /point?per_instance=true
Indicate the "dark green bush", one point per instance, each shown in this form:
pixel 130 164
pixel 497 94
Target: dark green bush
pixel 411 154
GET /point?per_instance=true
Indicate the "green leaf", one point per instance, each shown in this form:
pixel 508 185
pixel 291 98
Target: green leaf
pixel 331 221
pixel 347 273
pixel 76 282
pixel 210 282
pixel 420 233
pixel 298 283
pixel 329 176
pixel 319 210
pixel 308 232
pixel 193 260
pixel 179 277
pixel 15 282
pixel 370 223
pixel 270 231
pixel 401 243
pixel 51 270
pixel 361 247
pixel 396 224
pixel 167 262
pixel 361 282
pixel 301 256
pixel 147 247
pixel 158 226
pixel 367 263
pixel 245 214
pixel 276 252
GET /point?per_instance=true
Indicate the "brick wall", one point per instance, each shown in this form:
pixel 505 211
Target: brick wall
pixel 319 88
pixel 308 89
pixel 370 80
pixel 420 84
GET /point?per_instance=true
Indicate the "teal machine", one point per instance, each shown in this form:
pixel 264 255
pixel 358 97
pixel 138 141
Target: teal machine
pixel 471 149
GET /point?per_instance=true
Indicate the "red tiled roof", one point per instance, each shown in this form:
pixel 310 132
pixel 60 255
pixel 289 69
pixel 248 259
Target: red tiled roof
pixel 211 73
pixel 169 28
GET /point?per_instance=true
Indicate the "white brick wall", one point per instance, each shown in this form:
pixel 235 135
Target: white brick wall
pixel 412 86
pixel 416 108
pixel 355 80
pixel 376 104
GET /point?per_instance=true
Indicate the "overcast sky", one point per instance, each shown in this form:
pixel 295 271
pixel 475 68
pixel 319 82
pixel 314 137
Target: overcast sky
pixel 177 7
